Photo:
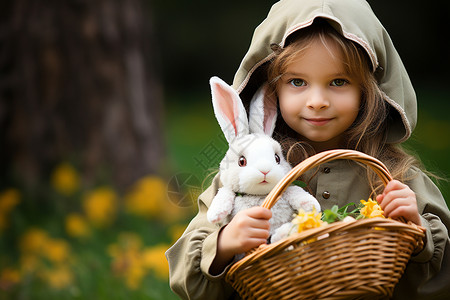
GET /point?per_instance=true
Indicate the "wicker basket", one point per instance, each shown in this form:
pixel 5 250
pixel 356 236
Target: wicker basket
pixel 355 260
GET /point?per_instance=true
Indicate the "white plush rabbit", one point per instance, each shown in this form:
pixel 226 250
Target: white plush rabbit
pixel 254 163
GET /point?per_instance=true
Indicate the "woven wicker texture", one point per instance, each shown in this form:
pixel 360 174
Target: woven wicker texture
pixel 356 260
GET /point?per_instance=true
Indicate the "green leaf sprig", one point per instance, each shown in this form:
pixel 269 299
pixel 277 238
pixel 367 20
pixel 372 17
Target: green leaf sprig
pixel 338 214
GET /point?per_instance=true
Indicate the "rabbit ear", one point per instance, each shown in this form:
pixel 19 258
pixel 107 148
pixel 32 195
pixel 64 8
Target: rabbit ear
pixel 263 112
pixel 229 110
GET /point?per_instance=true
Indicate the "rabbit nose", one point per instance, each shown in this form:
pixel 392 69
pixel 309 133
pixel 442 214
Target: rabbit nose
pixel 265 167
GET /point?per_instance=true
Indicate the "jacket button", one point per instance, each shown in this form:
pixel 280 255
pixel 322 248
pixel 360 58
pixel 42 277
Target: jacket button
pixel 326 195
pixel 326 170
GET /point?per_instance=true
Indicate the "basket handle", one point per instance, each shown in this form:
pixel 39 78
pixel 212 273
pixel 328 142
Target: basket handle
pixel 323 157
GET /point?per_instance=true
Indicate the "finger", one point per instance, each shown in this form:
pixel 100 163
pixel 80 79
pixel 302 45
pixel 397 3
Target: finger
pixel 379 199
pixel 393 185
pixel 408 212
pixel 259 224
pixel 243 221
pixel 258 233
pixel 399 204
pixel 258 212
pixel 400 211
pixel 253 243
pixel 394 195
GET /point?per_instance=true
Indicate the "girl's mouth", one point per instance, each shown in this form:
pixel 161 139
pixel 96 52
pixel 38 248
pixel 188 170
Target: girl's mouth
pixel 318 121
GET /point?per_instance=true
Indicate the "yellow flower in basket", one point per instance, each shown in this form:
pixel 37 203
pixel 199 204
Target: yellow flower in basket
pixel 371 209
pixel 307 220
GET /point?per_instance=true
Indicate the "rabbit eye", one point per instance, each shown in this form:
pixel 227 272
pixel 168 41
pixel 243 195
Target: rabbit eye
pixel 277 158
pixel 242 161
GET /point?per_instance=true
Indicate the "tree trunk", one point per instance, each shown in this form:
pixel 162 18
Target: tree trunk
pixel 78 80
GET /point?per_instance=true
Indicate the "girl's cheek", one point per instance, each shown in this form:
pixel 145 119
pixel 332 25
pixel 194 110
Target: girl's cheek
pixel 286 109
pixel 287 103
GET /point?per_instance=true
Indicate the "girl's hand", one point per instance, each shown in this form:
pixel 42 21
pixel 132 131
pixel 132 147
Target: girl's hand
pixel 248 229
pixel 398 200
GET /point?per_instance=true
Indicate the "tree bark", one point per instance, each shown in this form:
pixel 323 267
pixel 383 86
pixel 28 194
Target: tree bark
pixel 79 81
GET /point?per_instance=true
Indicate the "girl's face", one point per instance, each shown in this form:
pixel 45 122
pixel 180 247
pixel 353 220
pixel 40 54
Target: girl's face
pixel 318 98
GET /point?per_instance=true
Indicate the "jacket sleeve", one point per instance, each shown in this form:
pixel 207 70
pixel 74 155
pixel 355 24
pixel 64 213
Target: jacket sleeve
pixel 192 255
pixel 427 275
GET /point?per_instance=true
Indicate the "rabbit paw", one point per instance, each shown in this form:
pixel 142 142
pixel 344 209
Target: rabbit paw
pixel 217 216
pixel 301 199
pixel 221 206
pixel 281 232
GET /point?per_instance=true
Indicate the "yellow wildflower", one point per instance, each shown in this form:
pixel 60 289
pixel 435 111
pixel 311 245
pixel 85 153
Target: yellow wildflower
pixel 46 257
pixel 57 250
pixel 127 262
pixel 65 179
pixel 8 200
pixel 154 259
pixel 308 220
pixel 100 206
pixel 76 226
pixel 371 209
pixel 59 277
pixel 148 197
pixel 33 241
pixel 135 271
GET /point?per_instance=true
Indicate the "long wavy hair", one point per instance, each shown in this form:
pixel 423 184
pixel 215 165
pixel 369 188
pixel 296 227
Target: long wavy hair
pixel 368 133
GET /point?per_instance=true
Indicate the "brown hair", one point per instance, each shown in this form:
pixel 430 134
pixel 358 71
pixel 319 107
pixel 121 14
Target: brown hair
pixel 368 133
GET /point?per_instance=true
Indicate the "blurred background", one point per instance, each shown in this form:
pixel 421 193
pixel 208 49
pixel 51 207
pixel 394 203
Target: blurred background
pixel 107 134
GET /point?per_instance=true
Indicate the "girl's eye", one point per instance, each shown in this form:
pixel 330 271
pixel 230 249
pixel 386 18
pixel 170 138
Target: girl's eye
pixel 339 82
pixel 242 161
pixel 297 82
pixel 277 159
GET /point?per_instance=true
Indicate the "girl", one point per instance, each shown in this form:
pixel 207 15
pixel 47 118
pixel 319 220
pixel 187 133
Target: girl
pixel 339 84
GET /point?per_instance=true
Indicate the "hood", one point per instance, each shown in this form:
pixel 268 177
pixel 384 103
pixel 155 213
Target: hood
pixel 355 20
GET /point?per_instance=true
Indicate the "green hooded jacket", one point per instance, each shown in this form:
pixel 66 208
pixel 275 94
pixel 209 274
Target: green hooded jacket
pixel 427 275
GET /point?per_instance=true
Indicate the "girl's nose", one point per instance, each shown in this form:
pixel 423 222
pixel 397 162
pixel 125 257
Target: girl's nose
pixel 317 99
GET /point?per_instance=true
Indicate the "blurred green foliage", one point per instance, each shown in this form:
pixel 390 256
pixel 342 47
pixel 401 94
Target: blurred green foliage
pixel 431 140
